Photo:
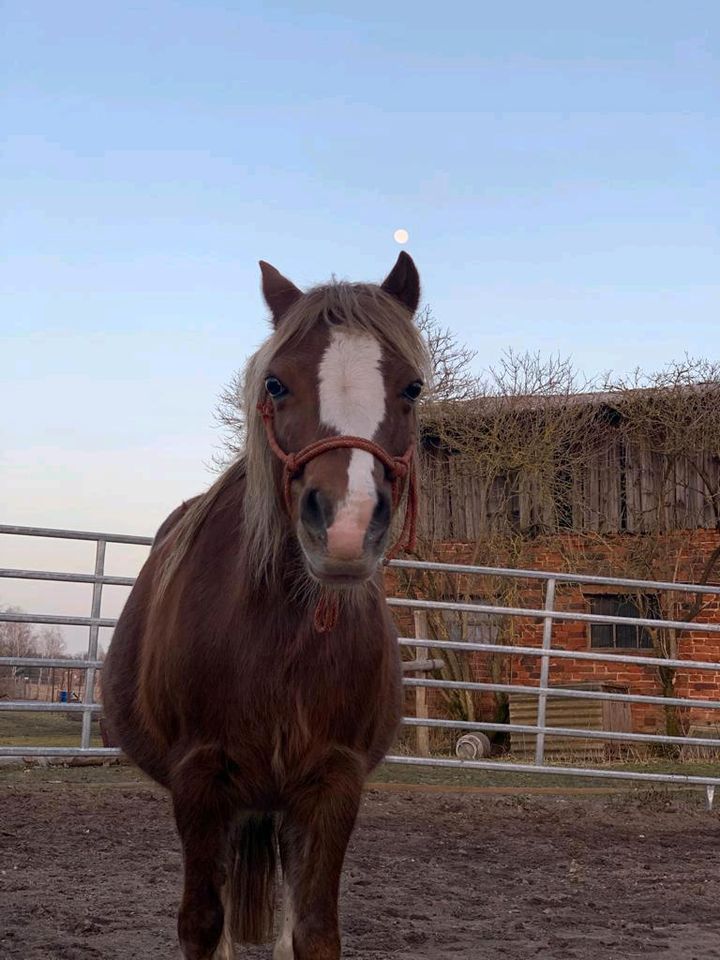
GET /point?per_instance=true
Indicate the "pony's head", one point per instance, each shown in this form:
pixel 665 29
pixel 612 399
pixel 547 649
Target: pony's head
pixel 344 361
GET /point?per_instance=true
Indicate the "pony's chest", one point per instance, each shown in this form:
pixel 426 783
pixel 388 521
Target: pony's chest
pixel 306 732
pixel 326 702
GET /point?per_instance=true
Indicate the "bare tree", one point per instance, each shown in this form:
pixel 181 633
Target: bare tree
pixel 51 643
pixel 451 362
pixel 505 460
pixel 17 640
pixel 230 419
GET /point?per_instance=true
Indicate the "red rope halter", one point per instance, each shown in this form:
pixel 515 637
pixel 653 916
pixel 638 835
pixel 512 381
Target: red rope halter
pixel 401 470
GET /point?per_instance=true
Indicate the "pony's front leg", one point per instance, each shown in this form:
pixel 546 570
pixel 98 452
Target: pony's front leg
pixel 203 815
pixel 314 835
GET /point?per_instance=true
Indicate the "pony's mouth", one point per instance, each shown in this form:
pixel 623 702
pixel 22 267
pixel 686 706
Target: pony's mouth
pixel 333 571
pixel 338 574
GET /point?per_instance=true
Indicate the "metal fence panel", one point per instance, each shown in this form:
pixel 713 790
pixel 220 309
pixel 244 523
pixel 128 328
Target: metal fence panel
pixel 547 653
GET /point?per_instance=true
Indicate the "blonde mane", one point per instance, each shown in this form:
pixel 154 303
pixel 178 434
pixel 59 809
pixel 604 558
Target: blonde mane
pixel 360 307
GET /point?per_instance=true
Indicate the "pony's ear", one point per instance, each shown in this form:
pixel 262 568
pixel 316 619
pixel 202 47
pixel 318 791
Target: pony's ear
pixel 280 294
pixel 403 282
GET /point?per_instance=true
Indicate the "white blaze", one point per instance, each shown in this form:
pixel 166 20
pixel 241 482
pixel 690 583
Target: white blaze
pixel 352 401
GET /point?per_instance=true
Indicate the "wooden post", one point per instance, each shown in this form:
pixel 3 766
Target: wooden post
pixel 421 710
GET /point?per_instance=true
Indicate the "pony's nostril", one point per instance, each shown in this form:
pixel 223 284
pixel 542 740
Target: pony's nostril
pixel 381 513
pixel 380 520
pixel 314 512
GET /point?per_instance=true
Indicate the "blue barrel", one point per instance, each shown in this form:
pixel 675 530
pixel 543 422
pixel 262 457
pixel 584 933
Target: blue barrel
pixel 63 696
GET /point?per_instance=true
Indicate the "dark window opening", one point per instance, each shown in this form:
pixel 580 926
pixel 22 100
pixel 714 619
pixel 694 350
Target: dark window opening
pixel 623 636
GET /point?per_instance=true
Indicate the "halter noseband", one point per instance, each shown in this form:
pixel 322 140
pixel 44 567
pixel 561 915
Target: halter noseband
pixel 400 470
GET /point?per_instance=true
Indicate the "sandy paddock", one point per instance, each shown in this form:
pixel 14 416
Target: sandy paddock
pixel 92 870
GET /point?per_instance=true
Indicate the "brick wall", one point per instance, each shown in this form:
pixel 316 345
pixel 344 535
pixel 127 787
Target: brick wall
pixel 548 554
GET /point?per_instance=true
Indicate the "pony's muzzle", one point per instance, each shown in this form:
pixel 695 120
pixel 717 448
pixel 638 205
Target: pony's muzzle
pixel 344 540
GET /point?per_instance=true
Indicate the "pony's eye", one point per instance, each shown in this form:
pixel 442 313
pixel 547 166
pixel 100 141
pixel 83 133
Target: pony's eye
pixel 413 390
pixel 275 387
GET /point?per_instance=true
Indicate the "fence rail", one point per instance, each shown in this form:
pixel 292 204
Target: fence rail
pixel 548 614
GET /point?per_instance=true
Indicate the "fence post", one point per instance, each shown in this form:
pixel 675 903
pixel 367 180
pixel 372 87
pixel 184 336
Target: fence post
pixel 94 630
pixel 544 672
pixel 421 710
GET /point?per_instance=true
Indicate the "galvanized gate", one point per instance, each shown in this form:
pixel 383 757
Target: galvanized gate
pixel 547 614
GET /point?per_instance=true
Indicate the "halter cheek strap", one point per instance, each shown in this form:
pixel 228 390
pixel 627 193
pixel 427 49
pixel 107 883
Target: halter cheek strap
pixel 401 471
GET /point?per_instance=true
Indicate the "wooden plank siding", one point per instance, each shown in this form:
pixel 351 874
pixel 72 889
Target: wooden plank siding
pixel 618 489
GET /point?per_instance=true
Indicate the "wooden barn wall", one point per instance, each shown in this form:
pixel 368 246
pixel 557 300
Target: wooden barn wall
pixel 620 488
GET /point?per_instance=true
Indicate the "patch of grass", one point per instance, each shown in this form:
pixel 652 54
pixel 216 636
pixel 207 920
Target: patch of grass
pixel 58 730
pixel 109 775
pixel 455 776
pixel 126 775
pixel 36 729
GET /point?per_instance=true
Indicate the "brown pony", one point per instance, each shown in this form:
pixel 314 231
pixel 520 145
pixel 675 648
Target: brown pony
pixel 254 671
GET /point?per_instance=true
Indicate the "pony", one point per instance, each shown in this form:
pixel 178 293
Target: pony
pixel 254 671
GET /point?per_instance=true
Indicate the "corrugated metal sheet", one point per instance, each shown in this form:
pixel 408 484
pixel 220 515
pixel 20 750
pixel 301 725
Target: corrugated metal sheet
pixel 561 712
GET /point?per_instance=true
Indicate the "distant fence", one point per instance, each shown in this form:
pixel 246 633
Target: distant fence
pixel 547 614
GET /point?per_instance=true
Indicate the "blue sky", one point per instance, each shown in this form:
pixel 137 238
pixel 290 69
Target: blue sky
pixel 555 165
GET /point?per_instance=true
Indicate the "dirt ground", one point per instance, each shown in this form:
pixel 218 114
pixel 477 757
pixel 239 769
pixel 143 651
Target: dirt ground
pixel 93 871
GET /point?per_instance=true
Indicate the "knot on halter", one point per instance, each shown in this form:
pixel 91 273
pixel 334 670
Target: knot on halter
pixel 400 471
pixel 326 613
pixel 400 468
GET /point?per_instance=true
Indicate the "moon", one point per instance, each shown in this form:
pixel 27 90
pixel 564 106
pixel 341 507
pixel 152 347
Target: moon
pixel 401 236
